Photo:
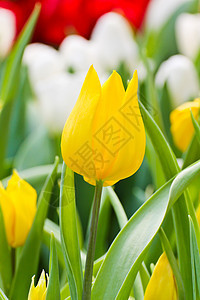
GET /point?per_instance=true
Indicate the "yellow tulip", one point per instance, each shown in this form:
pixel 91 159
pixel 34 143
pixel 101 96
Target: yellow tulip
pixel 18 205
pixel 104 136
pixel 181 123
pixel 38 292
pixel 162 284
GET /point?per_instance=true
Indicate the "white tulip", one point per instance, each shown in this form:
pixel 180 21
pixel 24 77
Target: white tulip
pixel 57 96
pixel 188 34
pixel 78 54
pixel 115 43
pixel 179 73
pixel 159 11
pixel 42 61
pixel 7 31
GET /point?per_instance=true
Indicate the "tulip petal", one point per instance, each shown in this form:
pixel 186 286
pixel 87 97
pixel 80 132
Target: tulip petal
pixel 162 284
pixel 181 123
pixel 38 292
pixel 8 214
pixel 24 198
pixel 76 142
pixel 105 129
pixel 133 140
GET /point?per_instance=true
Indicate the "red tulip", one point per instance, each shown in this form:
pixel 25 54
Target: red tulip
pixel 61 17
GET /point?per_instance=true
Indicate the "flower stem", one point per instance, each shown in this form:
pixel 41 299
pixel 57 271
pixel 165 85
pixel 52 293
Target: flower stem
pixel 87 284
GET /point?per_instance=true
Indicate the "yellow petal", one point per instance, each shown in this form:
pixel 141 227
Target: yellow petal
pixel 106 129
pixel 162 284
pixel 182 128
pixel 8 214
pixel 104 136
pixel 77 133
pixel 23 197
pixel 38 292
pixel 131 149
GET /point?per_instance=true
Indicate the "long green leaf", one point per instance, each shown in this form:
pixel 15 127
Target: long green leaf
pixel 109 193
pixel 9 83
pixel 2 295
pixel 5 257
pixel 53 290
pixel 180 210
pixel 10 74
pixel 173 263
pixel 122 262
pixel 29 257
pixel 195 259
pixel 69 233
pixel 50 227
pixel 196 127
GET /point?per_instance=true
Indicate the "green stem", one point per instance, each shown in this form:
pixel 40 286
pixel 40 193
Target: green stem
pixel 87 284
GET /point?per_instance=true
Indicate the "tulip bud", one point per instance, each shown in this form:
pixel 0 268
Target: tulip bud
pixel 104 136
pixel 78 54
pixel 18 204
pixel 181 78
pixel 188 34
pixel 38 292
pixel 162 284
pixel 7 30
pixel 115 43
pixel 42 61
pixel 182 128
pixel 159 11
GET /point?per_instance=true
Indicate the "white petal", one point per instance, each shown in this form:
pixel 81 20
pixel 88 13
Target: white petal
pixel 43 61
pixel 159 11
pixel 57 96
pixel 78 54
pixel 7 30
pixel 188 34
pixel 181 77
pixel 115 43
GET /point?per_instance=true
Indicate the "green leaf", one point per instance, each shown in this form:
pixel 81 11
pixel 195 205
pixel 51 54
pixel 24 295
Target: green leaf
pixel 9 83
pixel 53 290
pixel 195 259
pixel 38 142
pixel 192 154
pixel 10 74
pixel 110 194
pixel 2 295
pixel 103 228
pixel 29 256
pixel 173 263
pixel 69 233
pixel 50 227
pixel 123 259
pixel 5 257
pixel 180 210
pixel 145 276
pixel 196 126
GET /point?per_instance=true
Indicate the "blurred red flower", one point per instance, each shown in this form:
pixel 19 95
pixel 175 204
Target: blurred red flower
pixel 61 17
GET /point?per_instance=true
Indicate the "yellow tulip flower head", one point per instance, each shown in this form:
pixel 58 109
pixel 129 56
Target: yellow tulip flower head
pixel 38 292
pixel 104 136
pixel 182 128
pixel 18 205
pixel 162 284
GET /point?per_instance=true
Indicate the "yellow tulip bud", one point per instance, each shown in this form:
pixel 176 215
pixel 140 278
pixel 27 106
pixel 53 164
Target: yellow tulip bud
pixel 162 284
pixel 104 136
pixel 18 204
pixel 38 292
pixel 182 128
